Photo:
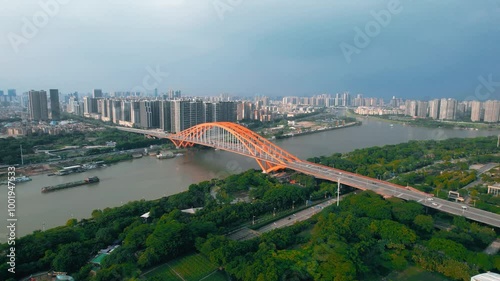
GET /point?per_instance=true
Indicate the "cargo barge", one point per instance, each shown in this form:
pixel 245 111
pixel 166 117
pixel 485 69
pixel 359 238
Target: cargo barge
pixel 70 184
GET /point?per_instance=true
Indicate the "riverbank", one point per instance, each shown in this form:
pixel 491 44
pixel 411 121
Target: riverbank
pixel 428 123
pixel 289 135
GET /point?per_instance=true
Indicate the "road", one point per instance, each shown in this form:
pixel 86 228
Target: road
pixel 481 171
pixel 247 234
pixel 389 189
pixel 299 216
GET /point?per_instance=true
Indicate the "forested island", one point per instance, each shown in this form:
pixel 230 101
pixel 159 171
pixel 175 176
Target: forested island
pixel 366 238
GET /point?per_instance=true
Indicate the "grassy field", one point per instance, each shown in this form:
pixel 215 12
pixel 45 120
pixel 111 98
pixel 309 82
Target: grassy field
pixel 414 274
pixel 193 267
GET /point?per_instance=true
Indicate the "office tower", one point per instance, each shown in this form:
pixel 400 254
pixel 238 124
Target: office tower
pixel 475 115
pixel 491 111
pixel 434 109
pixel 55 110
pixel 156 92
pixel 150 114
pixel 97 93
pixel 174 94
pixel 11 92
pixel 38 110
pixel 422 109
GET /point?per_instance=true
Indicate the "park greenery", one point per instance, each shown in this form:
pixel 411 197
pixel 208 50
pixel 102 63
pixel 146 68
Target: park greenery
pixel 366 237
pixel 431 166
pixel 459 123
pixel 389 160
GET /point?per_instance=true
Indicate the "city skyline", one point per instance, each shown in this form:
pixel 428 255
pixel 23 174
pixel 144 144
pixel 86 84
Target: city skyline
pixel 196 47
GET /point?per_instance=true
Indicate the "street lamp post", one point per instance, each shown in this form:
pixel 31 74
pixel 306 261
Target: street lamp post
pixel 338 193
pixel 293 205
pixel 253 220
pixel 274 212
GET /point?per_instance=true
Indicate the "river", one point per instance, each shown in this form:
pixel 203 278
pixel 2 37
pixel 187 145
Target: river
pixel 150 178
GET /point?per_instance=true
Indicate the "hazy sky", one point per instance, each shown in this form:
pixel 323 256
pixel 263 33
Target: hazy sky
pixel 429 48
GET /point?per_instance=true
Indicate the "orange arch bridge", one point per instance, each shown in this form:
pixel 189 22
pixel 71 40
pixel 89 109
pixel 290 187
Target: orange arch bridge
pixel 238 139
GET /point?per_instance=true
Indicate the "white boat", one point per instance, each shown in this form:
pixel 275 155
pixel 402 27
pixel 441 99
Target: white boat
pixel 22 179
pixel 165 155
pixel 17 180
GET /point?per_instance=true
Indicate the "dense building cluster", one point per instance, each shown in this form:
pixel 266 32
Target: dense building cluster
pixel 438 109
pixel 172 112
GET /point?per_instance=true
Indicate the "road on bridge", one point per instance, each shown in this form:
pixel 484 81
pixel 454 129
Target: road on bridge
pixel 389 189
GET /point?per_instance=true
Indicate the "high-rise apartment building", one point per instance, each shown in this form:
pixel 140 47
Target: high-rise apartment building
pixel 447 109
pixel 166 115
pixel 476 109
pixel 411 108
pixel 37 105
pixel 150 114
pixel 116 114
pixel 491 111
pixel 422 107
pixel 224 112
pixel 135 112
pixel 434 108
pixel 346 99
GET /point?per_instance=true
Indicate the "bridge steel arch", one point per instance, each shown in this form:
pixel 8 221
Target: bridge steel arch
pixel 237 139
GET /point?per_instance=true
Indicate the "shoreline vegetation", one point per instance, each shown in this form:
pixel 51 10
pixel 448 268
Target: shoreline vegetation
pixel 284 136
pixel 428 123
pixel 377 236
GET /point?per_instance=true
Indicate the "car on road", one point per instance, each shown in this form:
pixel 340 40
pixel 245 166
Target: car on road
pixel 464 207
pixel 430 199
pixel 434 204
pixel 289 218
